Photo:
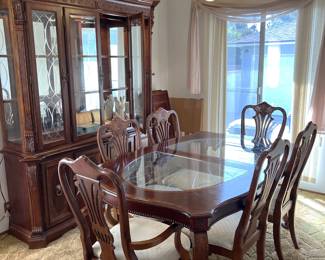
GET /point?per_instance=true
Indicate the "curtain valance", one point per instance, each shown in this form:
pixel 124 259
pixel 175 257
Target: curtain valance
pixel 249 11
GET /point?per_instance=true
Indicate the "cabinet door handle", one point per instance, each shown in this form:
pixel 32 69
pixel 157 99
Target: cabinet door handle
pixel 58 190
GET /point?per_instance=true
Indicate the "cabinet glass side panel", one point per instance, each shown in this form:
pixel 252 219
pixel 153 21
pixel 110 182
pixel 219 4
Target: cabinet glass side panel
pixel 8 86
pixel 137 73
pixel 85 73
pixel 48 75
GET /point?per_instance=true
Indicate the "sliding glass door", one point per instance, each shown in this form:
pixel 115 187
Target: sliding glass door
pixel 260 67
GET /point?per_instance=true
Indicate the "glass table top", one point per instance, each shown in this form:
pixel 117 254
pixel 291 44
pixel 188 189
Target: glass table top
pixel 227 148
pixel 161 171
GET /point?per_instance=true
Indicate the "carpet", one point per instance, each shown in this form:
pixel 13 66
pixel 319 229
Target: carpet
pixel 310 227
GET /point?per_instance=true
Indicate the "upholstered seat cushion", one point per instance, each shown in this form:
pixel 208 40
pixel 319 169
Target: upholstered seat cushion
pixel 144 229
pixel 222 233
pixel 84 118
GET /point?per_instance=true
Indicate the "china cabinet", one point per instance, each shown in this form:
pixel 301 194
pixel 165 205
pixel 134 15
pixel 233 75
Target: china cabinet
pixel 66 66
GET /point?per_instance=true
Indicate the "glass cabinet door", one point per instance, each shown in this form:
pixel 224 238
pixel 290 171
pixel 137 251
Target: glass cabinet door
pixel 86 98
pixel 7 84
pixel 48 62
pixel 115 62
pixel 137 38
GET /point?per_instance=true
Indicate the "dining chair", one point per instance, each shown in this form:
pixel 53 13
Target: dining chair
pixel 233 235
pixel 117 138
pixel 264 124
pixel 160 98
pixel 283 204
pixel 162 125
pixel 150 239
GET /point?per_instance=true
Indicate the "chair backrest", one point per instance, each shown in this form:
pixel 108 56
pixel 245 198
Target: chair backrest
pixel 264 123
pixel 298 159
pixel 89 179
pixel 160 98
pixel 272 163
pixel 117 138
pixel 162 125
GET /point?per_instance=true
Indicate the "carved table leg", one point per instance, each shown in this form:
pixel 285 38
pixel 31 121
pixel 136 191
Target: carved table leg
pixel 200 246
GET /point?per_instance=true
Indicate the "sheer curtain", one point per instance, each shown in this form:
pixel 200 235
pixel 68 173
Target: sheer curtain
pixel 213 68
pixel 310 89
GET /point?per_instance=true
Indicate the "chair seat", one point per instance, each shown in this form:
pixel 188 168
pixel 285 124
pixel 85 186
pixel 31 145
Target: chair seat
pixel 144 229
pixel 222 233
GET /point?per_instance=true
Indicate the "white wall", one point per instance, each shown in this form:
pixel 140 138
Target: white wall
pixel 160 48
pixel 170 46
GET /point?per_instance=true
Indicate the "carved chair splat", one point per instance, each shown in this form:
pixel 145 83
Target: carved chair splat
pixel 162 125
pixel 264 123
pixel 117 138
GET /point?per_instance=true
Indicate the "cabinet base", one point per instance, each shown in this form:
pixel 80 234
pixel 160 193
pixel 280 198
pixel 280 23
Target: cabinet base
pixel 41 240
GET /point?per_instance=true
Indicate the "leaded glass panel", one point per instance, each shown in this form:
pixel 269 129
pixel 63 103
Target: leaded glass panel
pixel 8 86
pixel 48 75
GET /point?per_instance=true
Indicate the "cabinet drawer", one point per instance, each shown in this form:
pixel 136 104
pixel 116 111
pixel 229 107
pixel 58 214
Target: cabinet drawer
pixel 56 207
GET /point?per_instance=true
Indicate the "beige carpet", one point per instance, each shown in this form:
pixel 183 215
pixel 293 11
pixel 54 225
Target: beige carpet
pixel 310 224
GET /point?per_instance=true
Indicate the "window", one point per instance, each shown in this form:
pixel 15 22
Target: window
pixel 260 67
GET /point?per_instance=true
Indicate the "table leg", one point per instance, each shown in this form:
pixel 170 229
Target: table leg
pixel 200 246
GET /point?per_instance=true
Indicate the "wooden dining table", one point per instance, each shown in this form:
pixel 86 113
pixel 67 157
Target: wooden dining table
pixel 194 181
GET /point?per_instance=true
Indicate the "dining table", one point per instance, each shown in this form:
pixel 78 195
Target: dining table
pixel 193 181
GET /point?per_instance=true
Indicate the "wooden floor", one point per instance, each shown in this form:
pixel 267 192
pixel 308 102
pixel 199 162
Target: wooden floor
pixel 310 223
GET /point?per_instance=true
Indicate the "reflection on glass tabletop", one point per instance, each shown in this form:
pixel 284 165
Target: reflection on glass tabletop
pixel 170 172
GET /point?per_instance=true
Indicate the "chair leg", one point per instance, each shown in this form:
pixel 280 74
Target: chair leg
pixel 291 222
pixel 238 256
pixel 277 238
pixel 260 248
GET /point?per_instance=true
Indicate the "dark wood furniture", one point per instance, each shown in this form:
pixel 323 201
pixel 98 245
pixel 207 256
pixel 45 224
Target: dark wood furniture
pixel 190 113
pixel 160 98
pixel 263 115
pixel 65 58
pixel 215 186
pixel 162 125
pixel 115 242
pixel 249 226
pixel 118 138
pixel 285 198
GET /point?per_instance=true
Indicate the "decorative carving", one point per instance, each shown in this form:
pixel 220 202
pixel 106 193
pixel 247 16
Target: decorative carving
pixel 85 3
pixel 34 199
pixel 29 143
pixel 163 125
pixel 117 135
pixel 19 12
pixel 264 124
